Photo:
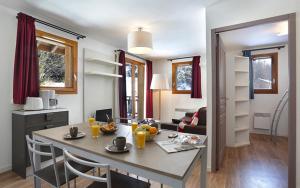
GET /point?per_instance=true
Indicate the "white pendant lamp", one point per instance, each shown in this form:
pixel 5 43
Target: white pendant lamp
pixel 139 42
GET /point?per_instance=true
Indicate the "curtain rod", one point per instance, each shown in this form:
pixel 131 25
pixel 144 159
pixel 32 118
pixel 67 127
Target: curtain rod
pixel 77 35
pixel 128 53
pixel 172 59
pixel 267 48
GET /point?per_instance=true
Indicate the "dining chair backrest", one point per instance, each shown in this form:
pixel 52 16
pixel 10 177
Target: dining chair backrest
pixel 69 168
pixel 34 150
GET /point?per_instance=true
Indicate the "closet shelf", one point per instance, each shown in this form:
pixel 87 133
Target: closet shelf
pixel 241 85
pixel 241 100
pixel 103 61
pixel 239 129
pixel 241 71
pixel 241 114
pixel 103 74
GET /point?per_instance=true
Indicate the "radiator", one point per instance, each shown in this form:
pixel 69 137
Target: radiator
pixel 262 121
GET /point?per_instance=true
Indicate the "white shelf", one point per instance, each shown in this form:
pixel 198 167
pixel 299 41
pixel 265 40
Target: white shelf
pixel 241 100
pixel 241 85
pixel 241 71
pixel 104 61
pixel 103 74
pixel 239 129
pixel 241 114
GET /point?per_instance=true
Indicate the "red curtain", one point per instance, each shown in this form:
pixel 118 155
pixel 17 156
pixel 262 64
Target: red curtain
pixel 26 68
pixel 149 93
pixel 122 87
pixel 196 78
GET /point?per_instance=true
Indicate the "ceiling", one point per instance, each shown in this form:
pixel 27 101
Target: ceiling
pixel 262 35
pixel 178 26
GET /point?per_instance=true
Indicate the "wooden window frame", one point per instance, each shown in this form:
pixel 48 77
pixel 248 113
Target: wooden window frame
pixel 274 57
pixel 134 62
pixel 74 49
pixel 174 67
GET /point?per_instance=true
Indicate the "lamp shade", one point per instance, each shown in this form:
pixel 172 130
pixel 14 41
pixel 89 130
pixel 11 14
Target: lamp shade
pixel 159 82
pixel 139 42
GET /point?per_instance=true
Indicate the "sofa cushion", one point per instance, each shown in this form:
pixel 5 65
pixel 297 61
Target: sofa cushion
pixel 202 116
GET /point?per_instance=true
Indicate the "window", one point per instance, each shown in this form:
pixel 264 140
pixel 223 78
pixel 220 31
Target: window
pixel 57 63
pixel 265 73
pixel 135 87
pixel 182 77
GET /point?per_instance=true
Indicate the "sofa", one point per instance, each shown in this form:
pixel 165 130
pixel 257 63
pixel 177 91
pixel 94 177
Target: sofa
pixel 200 129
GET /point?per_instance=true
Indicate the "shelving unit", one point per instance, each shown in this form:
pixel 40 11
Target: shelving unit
pixel 103 74
pixel 100 80
pixel 241 104
pixel 104 61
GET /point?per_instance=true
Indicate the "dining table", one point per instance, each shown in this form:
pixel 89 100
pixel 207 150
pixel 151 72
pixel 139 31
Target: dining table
pixel 151 162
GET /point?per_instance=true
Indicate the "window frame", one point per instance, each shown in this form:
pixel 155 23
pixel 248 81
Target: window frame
pixel 174 68
pixel 274 89
pixel 128 60
pixel 74 50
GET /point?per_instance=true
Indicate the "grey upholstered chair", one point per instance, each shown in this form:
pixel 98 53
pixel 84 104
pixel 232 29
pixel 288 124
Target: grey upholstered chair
pixel 53 174
pixel 111 179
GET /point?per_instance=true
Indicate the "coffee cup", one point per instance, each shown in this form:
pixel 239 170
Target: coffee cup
pixel 119 142
pixel 73 132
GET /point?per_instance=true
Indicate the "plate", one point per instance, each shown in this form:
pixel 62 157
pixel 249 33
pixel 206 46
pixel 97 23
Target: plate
pixel 80 134
pixel 113 149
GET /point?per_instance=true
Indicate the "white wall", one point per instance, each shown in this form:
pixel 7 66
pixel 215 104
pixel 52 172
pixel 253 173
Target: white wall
pixel 7 47
pixel 263 103
pixel 171 101
pixel 231 12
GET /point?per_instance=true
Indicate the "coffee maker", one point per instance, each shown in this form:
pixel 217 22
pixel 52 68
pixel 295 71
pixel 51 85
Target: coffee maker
pixel 49 99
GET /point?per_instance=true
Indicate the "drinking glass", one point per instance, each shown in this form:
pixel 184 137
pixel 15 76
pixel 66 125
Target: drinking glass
pixel 134 125
pixel 140 139
pixel 91 121
pixel 95 131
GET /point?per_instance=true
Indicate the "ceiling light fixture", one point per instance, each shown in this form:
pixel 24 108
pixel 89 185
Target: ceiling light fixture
pixel 139 42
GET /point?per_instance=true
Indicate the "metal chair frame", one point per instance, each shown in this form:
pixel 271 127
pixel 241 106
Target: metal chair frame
pixel 68 168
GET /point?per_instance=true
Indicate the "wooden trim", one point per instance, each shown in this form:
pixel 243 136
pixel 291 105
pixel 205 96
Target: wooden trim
pixel 74 72
pixel 292 87
pixel 274 89
pixel 174 67
pixel 134 62
pixel 292 100
pixel 140 66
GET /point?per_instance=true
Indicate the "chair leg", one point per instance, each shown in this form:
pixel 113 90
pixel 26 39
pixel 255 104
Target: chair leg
pixel 75 183
pixel 161 185
pixel 99 172
pixel 93 171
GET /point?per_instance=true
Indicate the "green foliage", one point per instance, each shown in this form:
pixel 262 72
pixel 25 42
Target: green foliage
pixel 52 67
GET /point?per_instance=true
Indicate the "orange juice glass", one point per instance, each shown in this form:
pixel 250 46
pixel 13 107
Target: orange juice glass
pixel 140 139
pixel 134 125
pixel 95 131
pixel 91 121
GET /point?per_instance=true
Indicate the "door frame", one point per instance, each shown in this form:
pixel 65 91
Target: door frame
pixel 291 18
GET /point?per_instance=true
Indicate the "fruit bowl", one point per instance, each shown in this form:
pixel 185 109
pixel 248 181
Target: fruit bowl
pixel 151 132
pixel 150 137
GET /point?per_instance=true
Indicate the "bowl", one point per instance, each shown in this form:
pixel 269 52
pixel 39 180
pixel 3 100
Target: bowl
pixel 150 137
pixel 110 128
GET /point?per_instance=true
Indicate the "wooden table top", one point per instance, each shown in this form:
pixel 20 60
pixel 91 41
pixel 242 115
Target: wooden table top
pixel 152 157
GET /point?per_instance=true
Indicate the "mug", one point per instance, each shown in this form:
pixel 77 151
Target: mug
pixel 73 132
pixel 119 142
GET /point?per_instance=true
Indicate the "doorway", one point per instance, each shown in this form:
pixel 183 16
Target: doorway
pixel 216 108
